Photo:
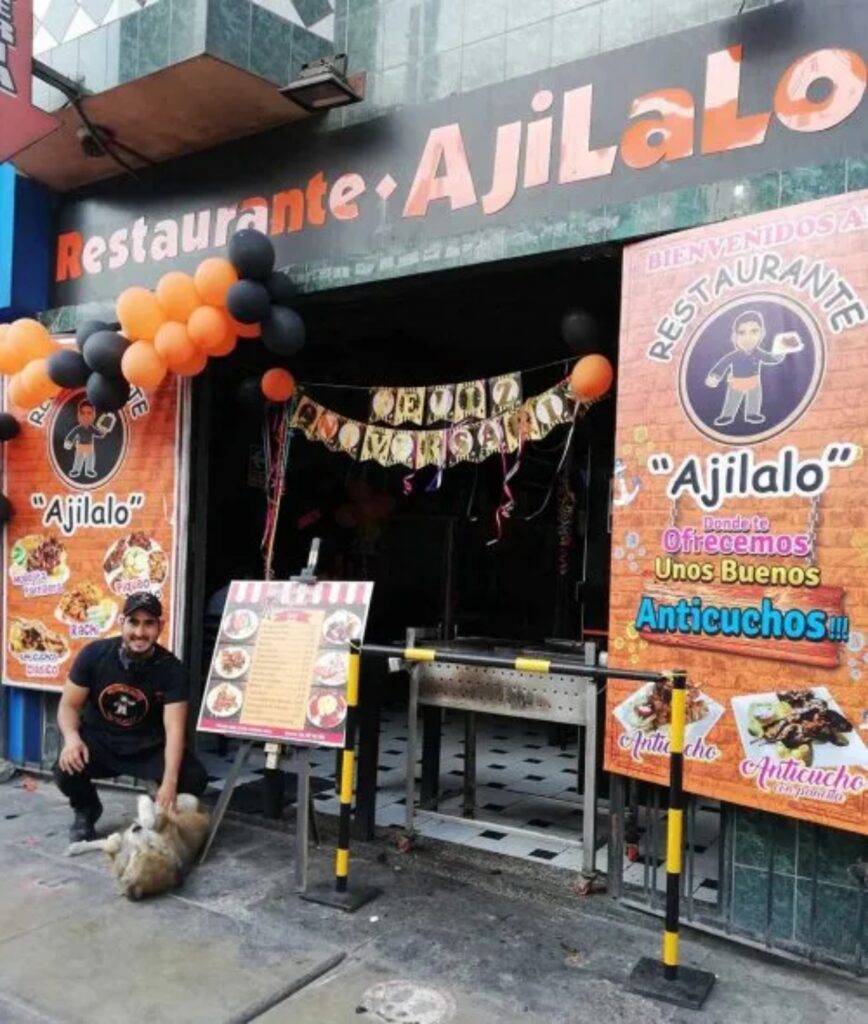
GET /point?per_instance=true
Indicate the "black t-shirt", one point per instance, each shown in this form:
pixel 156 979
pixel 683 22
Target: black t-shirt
pixel 125 705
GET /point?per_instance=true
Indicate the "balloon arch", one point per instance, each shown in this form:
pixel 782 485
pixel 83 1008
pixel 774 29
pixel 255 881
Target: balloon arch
pixel 176 328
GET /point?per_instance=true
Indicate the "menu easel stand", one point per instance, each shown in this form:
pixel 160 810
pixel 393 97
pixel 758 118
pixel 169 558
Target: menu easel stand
pixel 297 761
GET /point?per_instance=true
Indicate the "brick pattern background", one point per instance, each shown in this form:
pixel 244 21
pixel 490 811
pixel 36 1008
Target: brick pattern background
pixel 150 466
pixel 651 420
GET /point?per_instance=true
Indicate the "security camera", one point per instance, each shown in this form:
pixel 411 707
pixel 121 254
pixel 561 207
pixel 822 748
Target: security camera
pixel 91 139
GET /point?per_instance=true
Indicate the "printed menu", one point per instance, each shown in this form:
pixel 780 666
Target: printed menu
pixel 740 520
pixel 95 498
pixel 280 665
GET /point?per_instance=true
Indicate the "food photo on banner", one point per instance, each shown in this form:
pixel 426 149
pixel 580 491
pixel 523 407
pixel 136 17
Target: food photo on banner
pixel 740 529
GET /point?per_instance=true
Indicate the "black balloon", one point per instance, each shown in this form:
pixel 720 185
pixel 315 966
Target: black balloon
pixel 5 509
pixel 252 254
pixel 281 289
pixel 9 426
pixel 250 394
pixel 108 394
pixel 579 331
pixel 103 352
pixel 85 330
pixel 249 302
pixel 283 333
pixel 68 369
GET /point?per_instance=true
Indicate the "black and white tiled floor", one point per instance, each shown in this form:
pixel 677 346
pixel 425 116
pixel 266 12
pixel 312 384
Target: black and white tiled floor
pixel 527 800
pixel 705 860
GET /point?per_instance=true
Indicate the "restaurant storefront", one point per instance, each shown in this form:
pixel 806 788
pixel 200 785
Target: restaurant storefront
pixel 509 197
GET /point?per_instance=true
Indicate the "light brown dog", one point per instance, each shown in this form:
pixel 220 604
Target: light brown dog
pixel 155 852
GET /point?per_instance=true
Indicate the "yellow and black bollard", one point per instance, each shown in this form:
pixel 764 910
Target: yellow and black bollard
pixel 340 894
pixel 666 979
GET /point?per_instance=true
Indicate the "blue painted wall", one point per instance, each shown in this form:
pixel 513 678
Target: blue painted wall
pixel 25 245
pixel 25 266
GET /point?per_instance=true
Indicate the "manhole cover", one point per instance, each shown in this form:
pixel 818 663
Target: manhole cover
pixel 405 1002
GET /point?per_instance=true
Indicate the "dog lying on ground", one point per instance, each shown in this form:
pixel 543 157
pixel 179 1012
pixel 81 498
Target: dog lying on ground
pixel 155 852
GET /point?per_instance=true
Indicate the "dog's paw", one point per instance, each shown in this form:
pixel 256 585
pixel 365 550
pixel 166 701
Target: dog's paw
pixel 74 849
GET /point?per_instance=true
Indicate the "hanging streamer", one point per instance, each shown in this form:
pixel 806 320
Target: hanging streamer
pixel 277 435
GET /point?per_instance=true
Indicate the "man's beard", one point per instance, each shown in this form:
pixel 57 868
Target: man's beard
pixel 137 655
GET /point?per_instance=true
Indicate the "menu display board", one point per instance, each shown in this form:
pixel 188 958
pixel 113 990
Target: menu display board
pixel 280 665
pixel 95 499
pixel 740 521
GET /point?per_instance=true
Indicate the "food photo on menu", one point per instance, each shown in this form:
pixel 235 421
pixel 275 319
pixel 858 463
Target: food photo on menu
pixel 231 663
pixel 649 709
pixel 326 710
pixel 341 627
pixel 86 604
pixel 241 625
pixel 798 725
pixel 225 700
pixel 38 556
pixel 330 669
pixel 135 562
pixel 31 640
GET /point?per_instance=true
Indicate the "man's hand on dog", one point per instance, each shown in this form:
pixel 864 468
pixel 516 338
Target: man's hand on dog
pixel 74 755
pixel 167 794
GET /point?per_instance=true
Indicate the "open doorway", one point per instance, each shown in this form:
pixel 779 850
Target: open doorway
pixel 441 557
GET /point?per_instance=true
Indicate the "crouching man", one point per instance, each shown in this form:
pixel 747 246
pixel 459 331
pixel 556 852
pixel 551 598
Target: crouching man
pixel 123 711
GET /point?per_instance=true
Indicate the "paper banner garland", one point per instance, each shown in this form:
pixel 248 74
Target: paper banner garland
pixel 469 441
pixel 446 403
pixel 505 393
pixel 410 406
pixel 382 405
pixel 440 403
pixel 471 401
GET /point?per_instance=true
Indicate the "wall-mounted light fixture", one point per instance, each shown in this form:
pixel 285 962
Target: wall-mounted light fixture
pixel 322 85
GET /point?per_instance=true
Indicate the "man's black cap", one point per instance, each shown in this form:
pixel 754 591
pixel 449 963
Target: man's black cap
pixel 144 602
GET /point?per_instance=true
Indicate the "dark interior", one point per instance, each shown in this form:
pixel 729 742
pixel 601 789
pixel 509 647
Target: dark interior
pixel 429 552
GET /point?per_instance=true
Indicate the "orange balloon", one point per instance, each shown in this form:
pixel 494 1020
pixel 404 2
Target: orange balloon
pixel 208 327
pixel 18 393
pixel 143 366
pixel 213 279
pixel 278 385
pixel 139 313
pixel 228 346
pixel 173 345
pixel 244 330
pixel 177 295
pixel 193 366
pixel 30 339
pixel 592 377
pixel 37 382
pixel 11 360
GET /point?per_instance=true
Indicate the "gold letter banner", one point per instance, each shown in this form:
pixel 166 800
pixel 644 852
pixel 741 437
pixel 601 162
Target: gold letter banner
pixel 468 441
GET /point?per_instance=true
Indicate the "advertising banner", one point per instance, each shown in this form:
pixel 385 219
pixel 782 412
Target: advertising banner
pixel 95 499
pixel 740 510
pixel 280 665
pixel 408 192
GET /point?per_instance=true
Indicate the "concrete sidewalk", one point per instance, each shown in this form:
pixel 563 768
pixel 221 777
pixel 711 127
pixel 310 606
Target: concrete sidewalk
pixel 457 935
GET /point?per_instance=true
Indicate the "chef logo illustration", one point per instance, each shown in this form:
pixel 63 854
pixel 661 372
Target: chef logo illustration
pixel 752 369
pixel 86 447
pixel 123 705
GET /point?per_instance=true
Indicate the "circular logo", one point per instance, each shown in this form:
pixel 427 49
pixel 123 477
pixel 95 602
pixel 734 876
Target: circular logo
pixel 751 369
pixel 123 705
pixel 86 448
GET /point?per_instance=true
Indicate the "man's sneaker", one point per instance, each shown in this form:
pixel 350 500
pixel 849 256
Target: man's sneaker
pixel 82 828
